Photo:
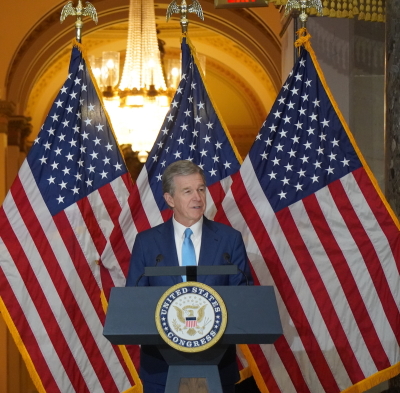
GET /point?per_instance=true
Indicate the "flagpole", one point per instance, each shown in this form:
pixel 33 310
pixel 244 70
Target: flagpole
pixel 301 6
pixel 296 28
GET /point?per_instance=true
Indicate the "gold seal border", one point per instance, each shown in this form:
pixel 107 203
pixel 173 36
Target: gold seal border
pixel 214 293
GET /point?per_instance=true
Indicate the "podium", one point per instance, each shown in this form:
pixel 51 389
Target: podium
pixel 253 318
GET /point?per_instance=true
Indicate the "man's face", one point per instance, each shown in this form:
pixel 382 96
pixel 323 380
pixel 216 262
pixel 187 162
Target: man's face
pixel 189 199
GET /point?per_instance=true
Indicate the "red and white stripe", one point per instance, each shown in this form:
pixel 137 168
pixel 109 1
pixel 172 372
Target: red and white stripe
pixel 334 260
pixel 191 323
pixel 50 285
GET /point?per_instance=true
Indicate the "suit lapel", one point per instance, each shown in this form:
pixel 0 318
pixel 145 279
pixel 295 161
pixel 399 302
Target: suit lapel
pixel 209 243
pixel 166 243
pixel 165 240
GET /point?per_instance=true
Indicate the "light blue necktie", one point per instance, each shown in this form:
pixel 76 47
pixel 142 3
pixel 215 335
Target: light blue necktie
pixel 188 253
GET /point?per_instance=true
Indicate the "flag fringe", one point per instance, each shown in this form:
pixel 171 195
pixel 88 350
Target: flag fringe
pixel 202 76
pixel 375 379
pixel 134 389
pixel 254 368
pixel 21 348
pixel 304 41
pixel 245 373
pixel 79 46
pixel 131 367
pixel 138 388
pixel 104 302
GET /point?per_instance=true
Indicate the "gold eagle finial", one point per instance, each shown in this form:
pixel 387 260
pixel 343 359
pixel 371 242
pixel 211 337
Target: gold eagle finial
pixel 302 5
pixel 183 9
pixel 79 11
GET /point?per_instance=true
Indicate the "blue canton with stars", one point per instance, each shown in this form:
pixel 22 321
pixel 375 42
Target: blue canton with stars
pixel 75 152
pixel 191 131
pixel 302 146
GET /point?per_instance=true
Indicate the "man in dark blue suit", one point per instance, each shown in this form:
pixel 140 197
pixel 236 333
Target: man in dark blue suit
pixel 184 190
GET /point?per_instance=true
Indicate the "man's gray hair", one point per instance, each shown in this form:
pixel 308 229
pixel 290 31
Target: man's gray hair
pixel 179 168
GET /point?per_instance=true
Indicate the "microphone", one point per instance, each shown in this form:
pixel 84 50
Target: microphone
pixel 227 259
pixel 159 258
pixel 137 281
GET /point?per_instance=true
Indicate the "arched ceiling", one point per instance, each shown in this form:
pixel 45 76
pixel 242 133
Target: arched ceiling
pixel 242 49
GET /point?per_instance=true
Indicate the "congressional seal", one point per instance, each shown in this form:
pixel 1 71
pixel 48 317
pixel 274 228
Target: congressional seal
pixel 191 316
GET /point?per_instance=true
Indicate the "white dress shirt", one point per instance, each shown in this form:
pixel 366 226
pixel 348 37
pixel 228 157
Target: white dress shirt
pixel 179 232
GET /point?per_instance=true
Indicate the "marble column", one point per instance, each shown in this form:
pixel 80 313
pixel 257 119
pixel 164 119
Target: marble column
pixel 392 101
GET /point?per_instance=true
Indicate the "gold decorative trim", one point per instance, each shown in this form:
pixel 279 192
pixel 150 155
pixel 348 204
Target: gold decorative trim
pixel 368 10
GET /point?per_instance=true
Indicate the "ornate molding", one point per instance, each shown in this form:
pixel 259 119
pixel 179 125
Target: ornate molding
pixel 227 46
pixel 7 109
pixel 19 128
pixel 249 15
pixel 60 64
pixel 39 29
pixel 368 10
pixel 243 86
pixel 47 38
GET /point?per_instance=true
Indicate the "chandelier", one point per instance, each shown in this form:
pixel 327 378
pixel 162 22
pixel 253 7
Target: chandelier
pixel 138 105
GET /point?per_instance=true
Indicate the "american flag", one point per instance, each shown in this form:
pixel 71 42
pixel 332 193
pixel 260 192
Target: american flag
pixel 192 131
pixel 318 229
pixel 54 224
